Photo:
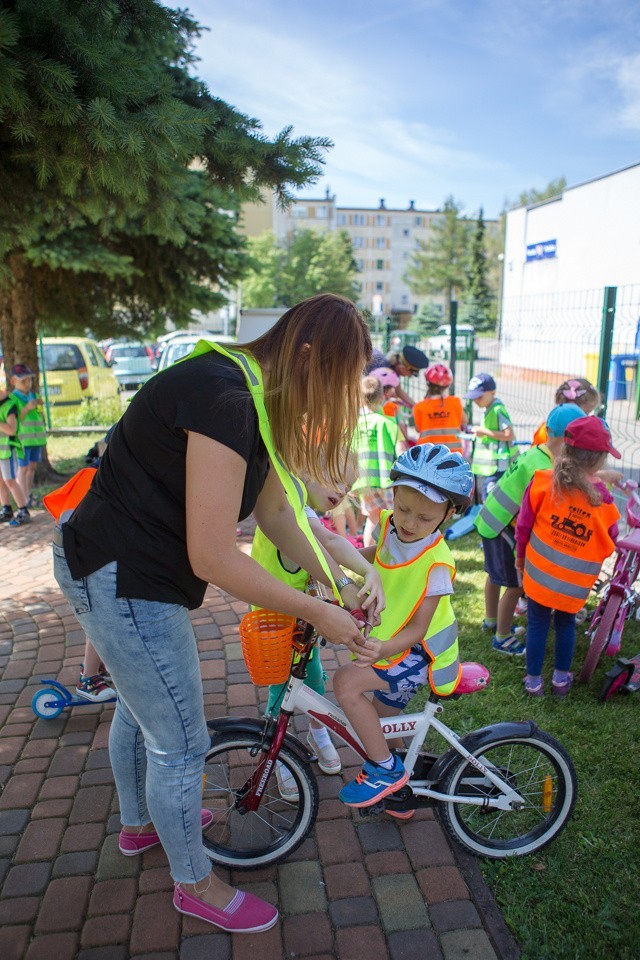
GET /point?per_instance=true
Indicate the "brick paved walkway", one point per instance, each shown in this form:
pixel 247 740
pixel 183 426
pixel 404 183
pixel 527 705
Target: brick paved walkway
pixel 356 889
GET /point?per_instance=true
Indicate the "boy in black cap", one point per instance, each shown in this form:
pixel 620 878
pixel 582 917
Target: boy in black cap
pixel 407 362
pixel 493 450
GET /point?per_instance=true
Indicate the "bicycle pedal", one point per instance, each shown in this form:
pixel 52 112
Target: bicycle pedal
pixel 372 811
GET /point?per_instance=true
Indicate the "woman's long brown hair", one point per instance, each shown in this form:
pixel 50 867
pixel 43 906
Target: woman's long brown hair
pixel 313 359
pixel 573 468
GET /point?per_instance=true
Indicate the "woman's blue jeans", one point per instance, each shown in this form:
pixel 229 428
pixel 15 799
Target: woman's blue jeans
pixel 538 625
pixel 158 737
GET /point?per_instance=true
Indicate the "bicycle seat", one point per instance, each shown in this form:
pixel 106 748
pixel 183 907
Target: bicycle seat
pixel 631 541
pixel 475 676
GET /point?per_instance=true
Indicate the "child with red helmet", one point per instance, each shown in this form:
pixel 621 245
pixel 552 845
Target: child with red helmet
pixel 439 418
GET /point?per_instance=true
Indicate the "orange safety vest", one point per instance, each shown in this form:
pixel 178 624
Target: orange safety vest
pixel 438 420
pixel 569 540
pixel 540 436
pixel 390 409
pixel 62 502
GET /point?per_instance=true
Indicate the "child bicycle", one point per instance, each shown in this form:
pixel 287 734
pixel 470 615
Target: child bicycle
pixel 619 600
pixel 504 790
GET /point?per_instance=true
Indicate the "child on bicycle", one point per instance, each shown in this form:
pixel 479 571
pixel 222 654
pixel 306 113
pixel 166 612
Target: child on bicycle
pixel 439 418
pixel 319 499
pixel 417 638
pixel 566 527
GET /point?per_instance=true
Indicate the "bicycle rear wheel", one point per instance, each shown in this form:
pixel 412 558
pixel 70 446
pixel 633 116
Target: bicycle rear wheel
pixel 273 831
pixel 542 772
pixel 600 638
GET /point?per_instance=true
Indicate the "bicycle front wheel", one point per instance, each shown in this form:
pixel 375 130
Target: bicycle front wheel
pixel 600 638
pixel 273 831
pixel 542 772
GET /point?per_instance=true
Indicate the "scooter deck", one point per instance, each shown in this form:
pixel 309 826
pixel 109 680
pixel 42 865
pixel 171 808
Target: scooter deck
pixel 464 525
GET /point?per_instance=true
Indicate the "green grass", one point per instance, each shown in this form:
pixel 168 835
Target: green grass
pixel 577 898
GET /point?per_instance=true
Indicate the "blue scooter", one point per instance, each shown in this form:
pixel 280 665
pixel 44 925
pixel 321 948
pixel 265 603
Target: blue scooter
pixel 50 702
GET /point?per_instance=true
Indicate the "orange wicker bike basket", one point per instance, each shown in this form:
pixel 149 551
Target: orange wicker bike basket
pixel 267 639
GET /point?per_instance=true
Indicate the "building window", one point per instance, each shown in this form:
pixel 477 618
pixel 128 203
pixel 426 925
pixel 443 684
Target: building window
pixel 359 219
pixel 381 243
pixel 406 233
pixel 342 219
pixel 360 265
pixel 418 221
pixel 358 242
pixel 299 212
pixel 379 264
pixel 381 220
pixel 379 287
pixel 321 213
pixel 405 298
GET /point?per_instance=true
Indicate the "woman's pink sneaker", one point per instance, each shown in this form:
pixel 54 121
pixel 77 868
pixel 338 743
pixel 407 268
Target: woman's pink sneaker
pixel 131 844
pixel 244 914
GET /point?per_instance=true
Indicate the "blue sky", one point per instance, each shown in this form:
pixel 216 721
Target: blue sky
pixel 425 98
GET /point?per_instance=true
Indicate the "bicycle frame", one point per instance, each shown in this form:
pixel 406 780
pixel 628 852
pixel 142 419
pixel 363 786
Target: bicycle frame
pixel 417 725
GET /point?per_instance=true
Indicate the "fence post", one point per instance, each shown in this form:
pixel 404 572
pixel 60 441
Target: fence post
pixel 453 320
pixel 606 340
pixel 43 382
pixel 387 334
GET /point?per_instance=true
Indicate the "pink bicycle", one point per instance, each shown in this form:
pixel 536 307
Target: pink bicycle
pixel 620 600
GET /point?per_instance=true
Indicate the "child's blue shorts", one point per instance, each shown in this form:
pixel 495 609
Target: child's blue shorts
pixel 404 678
pixel 31 455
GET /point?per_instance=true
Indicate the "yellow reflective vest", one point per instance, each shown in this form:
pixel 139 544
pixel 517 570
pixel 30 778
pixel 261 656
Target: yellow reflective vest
pixel 407 582
pixel 292 486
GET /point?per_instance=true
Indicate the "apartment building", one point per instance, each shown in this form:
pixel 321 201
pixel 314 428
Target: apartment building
pixel 383 241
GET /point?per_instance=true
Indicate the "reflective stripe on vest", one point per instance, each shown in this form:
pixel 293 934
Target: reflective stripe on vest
pixel 376 446
pixel 505 498
pixel 9 444
pixel 491 456
pixel 253 376
pixel 408 581
pixel 438 420
pixel 569 540
pixel 32 428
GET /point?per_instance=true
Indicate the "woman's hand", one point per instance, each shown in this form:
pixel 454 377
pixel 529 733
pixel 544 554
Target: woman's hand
pixel 337 625
pixel 371 596
pixel 520 564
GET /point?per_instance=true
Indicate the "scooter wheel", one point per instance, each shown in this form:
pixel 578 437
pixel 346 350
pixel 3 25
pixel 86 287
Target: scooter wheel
pixel 616 679
pixel 46 704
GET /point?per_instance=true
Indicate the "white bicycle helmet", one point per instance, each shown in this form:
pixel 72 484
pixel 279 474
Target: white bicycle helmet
pixel 435 465
pixel 387 377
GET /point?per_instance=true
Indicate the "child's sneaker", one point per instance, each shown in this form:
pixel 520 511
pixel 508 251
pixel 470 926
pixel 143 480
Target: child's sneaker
pixel 509 645
pixel 491 625
pixel 522 607
pixel 21 517
pixel 328 757
pixel 287 787
pixel 534 686
pixel 374 783
pixel 95 689
pixel 561 682
pixel 6 514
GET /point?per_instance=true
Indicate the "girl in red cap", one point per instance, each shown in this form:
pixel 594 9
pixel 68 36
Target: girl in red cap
pixel 567 526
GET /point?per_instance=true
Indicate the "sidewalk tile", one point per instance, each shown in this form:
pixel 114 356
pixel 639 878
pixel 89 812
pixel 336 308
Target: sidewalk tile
pixel 361 943
pixel 415 945
pixel 301 887
pixel 64 905
pixel 463 944
pixel 400 903
pixel 307 934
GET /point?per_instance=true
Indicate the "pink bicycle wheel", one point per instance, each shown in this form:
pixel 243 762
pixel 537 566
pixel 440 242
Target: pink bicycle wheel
pixel 600 638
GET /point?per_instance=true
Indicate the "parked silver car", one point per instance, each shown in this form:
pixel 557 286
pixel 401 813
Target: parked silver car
pixel 131 364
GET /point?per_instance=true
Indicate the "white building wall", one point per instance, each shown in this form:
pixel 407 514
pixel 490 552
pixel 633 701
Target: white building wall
pixel 596 227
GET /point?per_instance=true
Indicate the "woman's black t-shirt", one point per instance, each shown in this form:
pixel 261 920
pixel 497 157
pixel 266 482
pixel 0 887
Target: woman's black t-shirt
pixel 135 510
